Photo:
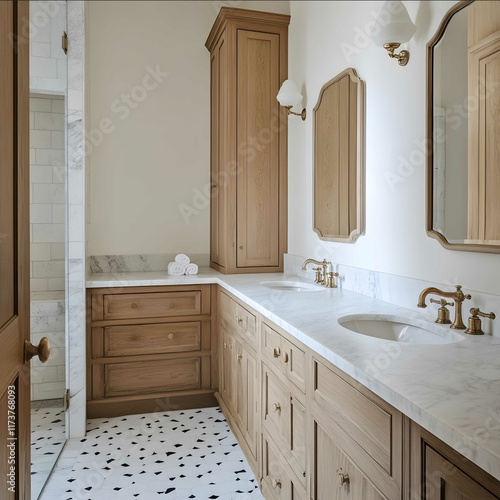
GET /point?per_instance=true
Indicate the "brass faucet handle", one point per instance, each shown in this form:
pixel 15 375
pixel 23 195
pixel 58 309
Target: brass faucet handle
pixel 330 280
pixel 475 321
pixel 476 312
pixel 442 302
pixel 443 313
pixel 319 274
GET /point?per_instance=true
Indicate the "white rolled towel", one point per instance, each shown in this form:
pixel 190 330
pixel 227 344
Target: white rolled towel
pixel 183 259
pixel 176 269
pixel 191 269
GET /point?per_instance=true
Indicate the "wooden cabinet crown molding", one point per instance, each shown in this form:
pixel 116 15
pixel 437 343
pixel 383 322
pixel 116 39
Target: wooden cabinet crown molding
pixel 232 14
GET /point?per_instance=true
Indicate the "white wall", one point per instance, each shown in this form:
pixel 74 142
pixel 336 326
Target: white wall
pixel 395 241
pixel 148 163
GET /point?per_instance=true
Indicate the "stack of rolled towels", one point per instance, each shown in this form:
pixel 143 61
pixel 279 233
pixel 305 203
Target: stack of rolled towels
pixel 182 265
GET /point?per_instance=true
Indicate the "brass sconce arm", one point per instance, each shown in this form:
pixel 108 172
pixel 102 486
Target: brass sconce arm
pixel 302 115
pixel 403 57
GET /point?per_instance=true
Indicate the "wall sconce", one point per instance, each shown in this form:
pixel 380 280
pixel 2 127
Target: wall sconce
pixel 394 27
pixel 289 96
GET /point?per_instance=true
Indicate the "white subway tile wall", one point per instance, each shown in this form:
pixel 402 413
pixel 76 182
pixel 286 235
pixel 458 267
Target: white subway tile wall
pixel 47 191
pixel 47 58
pixel 48 381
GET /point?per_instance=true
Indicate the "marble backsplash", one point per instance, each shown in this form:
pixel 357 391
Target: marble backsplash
pixel 401 290
pixel 138 263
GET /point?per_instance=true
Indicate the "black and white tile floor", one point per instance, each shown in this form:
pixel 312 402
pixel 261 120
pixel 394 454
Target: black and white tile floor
pixel 47 440
pixel 188 454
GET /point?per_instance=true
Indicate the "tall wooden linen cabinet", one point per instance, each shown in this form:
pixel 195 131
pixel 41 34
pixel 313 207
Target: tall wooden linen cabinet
pixel 249 62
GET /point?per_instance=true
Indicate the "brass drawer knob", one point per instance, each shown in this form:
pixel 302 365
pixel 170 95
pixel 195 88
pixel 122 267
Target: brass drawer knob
pixel 277 352
pixel 276 407
pixel 286 357
pixel 133 305
pixel 42 350
pixel 240 357
pixel 276 483
pixel 171 336
pixel 239 320
pixel 343 478
pixel 225 345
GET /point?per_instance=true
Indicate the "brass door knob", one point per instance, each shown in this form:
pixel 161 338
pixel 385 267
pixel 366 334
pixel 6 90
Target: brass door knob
pixel 277 352
pixel 276 483
pixel 42 350
pixel 343 478
pixel 276 407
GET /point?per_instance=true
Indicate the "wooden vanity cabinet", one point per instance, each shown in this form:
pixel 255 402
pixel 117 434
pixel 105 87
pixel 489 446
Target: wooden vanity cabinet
pixel 239 379
pixel 248 61
pixel 440 473
pixel 149 349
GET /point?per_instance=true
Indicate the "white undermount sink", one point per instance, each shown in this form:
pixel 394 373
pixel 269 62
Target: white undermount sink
pixel 292 286
pixel 399 329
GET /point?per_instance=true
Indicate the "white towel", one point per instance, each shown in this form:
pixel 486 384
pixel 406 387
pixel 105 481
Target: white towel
pixel 191 269
pixel 176 269
pixel 182 259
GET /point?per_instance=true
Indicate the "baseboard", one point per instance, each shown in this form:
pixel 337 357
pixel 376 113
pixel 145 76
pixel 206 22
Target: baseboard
pixel 112 407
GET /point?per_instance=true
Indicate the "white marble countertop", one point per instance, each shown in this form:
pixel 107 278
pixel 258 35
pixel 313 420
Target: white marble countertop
pixel 452 390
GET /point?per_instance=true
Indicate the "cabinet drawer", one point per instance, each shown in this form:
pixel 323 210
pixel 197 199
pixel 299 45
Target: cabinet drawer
pixel 335 476
pixel 237 319
pixel 288 358
pixel 149 377
pixel 444 481
pixel 277 482
pixel 364 419
pixel 285 421
pixel 133 340
pixel 152 305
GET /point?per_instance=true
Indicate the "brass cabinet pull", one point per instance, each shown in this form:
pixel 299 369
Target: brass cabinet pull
pixel 225 345
pixel 277 352
pixel 239 357
pixel 133 305
pixel 343 478
pixel 42 350
pixel 276 483
pixel 171 336
pixel 276 407
pixel 286 358
pixel 239 319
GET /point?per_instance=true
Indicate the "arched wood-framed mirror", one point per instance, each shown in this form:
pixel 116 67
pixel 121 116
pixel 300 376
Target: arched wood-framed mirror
pixel 338 192
pixel 463 124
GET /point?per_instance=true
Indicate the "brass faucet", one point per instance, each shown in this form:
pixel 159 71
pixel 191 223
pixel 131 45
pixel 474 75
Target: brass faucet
pixel 322 276
pixel 458 296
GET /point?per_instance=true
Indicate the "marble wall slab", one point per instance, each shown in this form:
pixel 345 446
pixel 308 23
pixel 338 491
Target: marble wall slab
pixel 75 262
pixel 138 263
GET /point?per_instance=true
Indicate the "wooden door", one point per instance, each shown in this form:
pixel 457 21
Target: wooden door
pixel 335 476
pixel 258 175
pixel 219 137
pixel 227 369
pixel 246 397
pixel 14 251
